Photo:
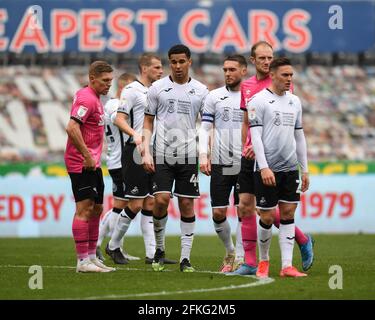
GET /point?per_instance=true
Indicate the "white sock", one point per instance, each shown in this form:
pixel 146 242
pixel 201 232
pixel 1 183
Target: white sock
pixel 122 225
pixel 147 227
pixel 113 220
pixel 187 236
pixel 264 241
pixel 240 253
pixel 104 227
pixel 223 231
pixel 286 242
pixel 159 231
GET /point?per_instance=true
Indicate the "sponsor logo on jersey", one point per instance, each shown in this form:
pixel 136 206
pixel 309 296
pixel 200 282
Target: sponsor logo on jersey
pixel 262 201
pixel 167 90
pixel 192 91
pixel 272 101
pixel 223 98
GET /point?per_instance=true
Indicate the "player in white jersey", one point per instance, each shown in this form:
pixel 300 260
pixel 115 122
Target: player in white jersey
pixel 222 118
pixel 175 101
pixel 275 117
pixel 113 138
pixel 129 119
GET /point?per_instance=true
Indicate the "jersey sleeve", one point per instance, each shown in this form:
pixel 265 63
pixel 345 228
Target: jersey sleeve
pixel 81 108
pixel 242 101
pixel 208 114
pixel 126 101
pixel 299 116
pixel 152 101
pixel 113 113
pixel 204 97
pixel 255 111
pixel 111 110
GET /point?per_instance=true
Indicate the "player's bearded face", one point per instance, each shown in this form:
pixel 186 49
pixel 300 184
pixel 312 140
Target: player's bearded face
pixel 180 65
pixel 232 73
pixel 102 83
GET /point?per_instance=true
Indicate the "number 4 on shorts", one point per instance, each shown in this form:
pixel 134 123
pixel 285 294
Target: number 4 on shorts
pixel 194 179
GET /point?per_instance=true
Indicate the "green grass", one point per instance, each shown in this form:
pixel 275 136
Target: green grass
pixel 354 253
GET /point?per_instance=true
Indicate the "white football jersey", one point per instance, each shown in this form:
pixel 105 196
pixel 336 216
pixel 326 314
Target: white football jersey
pixel 132 103
pixel 279 116
pixel 113 135
pixel 222 108
pixel 176 108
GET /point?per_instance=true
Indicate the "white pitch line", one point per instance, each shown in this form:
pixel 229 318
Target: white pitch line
pixel 259 282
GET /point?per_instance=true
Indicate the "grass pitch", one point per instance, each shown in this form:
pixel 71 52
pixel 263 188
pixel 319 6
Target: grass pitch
pixel 353 253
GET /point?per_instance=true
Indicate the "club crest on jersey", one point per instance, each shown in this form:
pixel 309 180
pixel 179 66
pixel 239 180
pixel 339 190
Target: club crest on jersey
pixel 226 115
pixel 82 111
pixel 277 120
pixel 192 91
pixel 171 105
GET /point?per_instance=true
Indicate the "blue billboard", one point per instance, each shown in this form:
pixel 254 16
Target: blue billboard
pixel 204 25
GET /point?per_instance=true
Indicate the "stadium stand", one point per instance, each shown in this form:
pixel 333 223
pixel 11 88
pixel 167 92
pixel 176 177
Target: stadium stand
pixel 337 91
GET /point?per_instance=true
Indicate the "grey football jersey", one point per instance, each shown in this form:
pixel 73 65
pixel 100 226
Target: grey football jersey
pixel 133 101
pixel 222 108
pixel 279 116
pixel 176 108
